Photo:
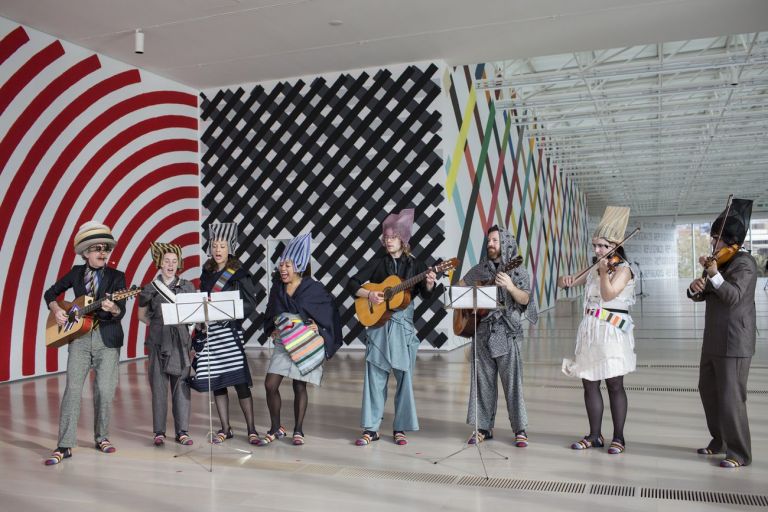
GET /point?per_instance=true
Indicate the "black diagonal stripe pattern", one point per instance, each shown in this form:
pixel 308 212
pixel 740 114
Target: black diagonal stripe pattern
pixel 333 158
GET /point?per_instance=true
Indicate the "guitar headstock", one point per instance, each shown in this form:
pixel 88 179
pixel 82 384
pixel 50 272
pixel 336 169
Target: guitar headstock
pixel 125 293
pixel 446 265
pixel 513 263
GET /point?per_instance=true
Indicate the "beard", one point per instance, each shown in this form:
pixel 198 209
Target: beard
pixel 493 253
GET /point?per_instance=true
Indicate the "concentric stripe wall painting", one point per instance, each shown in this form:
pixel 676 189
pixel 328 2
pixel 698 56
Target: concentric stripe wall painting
pixel 85 137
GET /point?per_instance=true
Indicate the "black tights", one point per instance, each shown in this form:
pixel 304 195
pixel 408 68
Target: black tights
pixel 246 405
pixel 274 402
pixel 593 399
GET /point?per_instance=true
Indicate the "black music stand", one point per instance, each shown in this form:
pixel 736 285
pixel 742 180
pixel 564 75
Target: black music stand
pixel 474 298
pixel 197 308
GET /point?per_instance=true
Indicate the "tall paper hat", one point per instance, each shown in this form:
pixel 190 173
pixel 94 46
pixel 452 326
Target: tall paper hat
pixel 298 251
pixel 226 231
pixel 399 224
pixel 92 233
pixel 613 224
pixel 160 249
pixel 736 224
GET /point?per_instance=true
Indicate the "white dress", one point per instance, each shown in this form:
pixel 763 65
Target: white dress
pixel 603 350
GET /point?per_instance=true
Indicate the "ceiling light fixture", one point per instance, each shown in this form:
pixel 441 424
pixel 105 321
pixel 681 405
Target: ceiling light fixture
pixel 138 41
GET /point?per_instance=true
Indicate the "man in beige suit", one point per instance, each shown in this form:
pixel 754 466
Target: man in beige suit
pixel 729 335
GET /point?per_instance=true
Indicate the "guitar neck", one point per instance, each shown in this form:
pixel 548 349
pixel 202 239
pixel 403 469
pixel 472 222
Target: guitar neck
pixel 410 283
pixel 93 306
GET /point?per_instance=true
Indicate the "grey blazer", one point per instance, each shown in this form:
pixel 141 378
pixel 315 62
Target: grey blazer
pixel 730 320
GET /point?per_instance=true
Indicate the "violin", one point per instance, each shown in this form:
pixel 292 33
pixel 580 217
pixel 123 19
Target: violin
pixel 611 255
pixel 613 262
pixel 722 256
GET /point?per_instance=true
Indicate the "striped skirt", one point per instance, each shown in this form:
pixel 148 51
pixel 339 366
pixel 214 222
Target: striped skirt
pixel 222 359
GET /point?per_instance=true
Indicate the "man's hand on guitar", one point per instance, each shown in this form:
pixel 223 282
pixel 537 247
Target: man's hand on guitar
pixel 110 307
pixel 503 280
pixel 376 297
pixel 61 316
pixel 431 278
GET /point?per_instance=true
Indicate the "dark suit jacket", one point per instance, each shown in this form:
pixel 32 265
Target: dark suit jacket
pixel 730 319
pixel 109 325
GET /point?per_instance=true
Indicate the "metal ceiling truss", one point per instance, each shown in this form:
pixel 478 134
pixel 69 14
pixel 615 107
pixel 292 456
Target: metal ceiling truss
pixel 667 128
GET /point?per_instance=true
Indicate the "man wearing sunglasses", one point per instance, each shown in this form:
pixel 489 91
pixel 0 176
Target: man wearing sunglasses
pixel 98 349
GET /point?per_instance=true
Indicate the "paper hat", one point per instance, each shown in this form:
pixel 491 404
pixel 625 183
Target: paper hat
pixel 160 249
pixel 399 224
pixel 613 224
pixel 298 251
pixel 736 224
pixel 226 231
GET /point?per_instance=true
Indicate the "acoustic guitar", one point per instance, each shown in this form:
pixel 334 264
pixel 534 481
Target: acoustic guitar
pixel 397 295
pixel 80 316
pixel 464 319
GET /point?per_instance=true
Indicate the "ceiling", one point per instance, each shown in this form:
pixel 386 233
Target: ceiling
pixel 668 128
pixel 661 117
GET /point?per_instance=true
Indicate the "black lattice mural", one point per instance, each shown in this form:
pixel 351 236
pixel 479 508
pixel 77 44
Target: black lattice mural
pixel 333 157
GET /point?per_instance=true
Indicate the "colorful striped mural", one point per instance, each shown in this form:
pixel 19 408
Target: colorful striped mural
pixel 495 174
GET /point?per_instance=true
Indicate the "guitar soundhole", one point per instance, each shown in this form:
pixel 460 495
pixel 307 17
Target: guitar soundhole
pixel 388 294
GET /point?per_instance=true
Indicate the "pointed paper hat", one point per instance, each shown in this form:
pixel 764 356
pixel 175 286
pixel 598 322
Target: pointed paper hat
pixel 298 251
pixel 226 231
pixel 613 224
pixel 736 224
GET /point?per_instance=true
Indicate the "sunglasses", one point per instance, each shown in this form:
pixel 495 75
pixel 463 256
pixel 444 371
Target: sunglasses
pixel 100 248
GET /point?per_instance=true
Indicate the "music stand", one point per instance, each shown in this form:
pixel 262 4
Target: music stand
pixel 196 308
pixel 474 298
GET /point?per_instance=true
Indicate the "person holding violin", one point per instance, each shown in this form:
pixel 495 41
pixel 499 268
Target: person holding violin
pixel 499 336
pixel 605 345
pixel 728 289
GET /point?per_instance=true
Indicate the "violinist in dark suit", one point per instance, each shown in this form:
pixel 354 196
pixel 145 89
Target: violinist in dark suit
pixel 728 288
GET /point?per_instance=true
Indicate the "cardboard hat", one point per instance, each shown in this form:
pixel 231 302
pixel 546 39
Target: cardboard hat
pixel 613 225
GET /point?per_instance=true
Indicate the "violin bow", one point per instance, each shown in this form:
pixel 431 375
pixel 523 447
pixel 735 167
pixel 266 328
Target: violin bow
pixel 722 227
pixel 609 253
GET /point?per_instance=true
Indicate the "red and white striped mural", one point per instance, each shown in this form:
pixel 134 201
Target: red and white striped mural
pixel 85 137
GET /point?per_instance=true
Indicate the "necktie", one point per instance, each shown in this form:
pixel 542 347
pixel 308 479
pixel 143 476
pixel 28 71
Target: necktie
pixel 91 281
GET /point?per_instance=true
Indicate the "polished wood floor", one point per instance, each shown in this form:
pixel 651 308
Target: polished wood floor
pixel 664 427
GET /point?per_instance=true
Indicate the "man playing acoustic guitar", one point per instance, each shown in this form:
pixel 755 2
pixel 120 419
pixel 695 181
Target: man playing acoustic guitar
pixel 499 335
pixel 99 348
pixel 391 347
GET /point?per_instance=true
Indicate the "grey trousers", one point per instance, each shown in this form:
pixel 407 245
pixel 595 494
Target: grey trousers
pixel 159 383
pixel 723 391
pixel 85 353
pixel 510 368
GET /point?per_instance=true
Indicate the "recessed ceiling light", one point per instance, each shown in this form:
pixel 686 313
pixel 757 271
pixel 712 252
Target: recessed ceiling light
pixel 335 23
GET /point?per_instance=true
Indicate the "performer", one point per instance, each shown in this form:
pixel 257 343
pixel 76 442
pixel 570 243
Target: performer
pixel 391 347
pixel 98 349
pixel 296 297
pixel 499 335
pixel 729 335
pixel 223 351
pixel 605 345
pixel 169 346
